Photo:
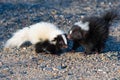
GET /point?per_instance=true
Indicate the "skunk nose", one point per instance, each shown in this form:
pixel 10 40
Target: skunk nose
pixel 68 36
pixel 65 46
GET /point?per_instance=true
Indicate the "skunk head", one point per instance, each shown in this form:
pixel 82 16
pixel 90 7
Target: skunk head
pixel 78 31
pixel 60 41
pixel 54 46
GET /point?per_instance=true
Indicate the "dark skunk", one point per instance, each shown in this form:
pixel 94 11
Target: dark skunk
pixel 92 32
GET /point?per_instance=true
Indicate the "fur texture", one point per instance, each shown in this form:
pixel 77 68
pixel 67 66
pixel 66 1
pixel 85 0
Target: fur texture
pixel 47 47
pixel 91 32
pixel 37 33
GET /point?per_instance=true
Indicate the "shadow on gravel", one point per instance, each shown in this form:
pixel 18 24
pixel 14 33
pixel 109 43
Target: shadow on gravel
pixel 111 45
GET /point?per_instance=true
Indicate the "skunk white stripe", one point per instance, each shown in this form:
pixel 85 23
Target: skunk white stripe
pixel 64 38
pixel 71 32
pixel 84 26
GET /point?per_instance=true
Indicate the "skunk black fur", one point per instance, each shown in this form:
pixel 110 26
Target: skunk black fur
pixel 91 32
pixel 47 47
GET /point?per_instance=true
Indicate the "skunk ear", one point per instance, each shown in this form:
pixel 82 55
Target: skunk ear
pixel 54 40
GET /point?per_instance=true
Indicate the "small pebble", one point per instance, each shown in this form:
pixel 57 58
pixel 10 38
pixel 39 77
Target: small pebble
pixel 1 64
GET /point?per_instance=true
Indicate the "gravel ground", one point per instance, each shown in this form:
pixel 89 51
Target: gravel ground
pixel 25 64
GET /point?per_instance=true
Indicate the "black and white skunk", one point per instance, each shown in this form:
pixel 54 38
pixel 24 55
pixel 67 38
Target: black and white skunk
pixel 44 35
pixel 91 32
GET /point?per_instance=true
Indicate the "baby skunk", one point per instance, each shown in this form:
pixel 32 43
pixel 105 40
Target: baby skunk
pixel 91 32
pixel 39 34
pixel 47 47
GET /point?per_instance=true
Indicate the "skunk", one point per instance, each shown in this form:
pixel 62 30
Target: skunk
pixel 46 46
pixel 38 34
pixel 91 32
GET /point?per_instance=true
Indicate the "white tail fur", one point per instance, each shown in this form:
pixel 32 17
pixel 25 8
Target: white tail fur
pixel 18 38
pixel 34 33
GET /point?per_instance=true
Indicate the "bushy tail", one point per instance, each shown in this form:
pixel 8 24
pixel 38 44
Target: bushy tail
pixel 110 16
pixel 18 38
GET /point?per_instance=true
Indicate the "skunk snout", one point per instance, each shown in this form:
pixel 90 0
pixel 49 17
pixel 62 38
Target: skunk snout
pixel 68 36
pixel 65 46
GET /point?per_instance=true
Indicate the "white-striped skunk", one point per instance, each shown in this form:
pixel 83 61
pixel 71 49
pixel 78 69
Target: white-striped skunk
pixel 91 32
pixel 53 48
pixel 44 35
